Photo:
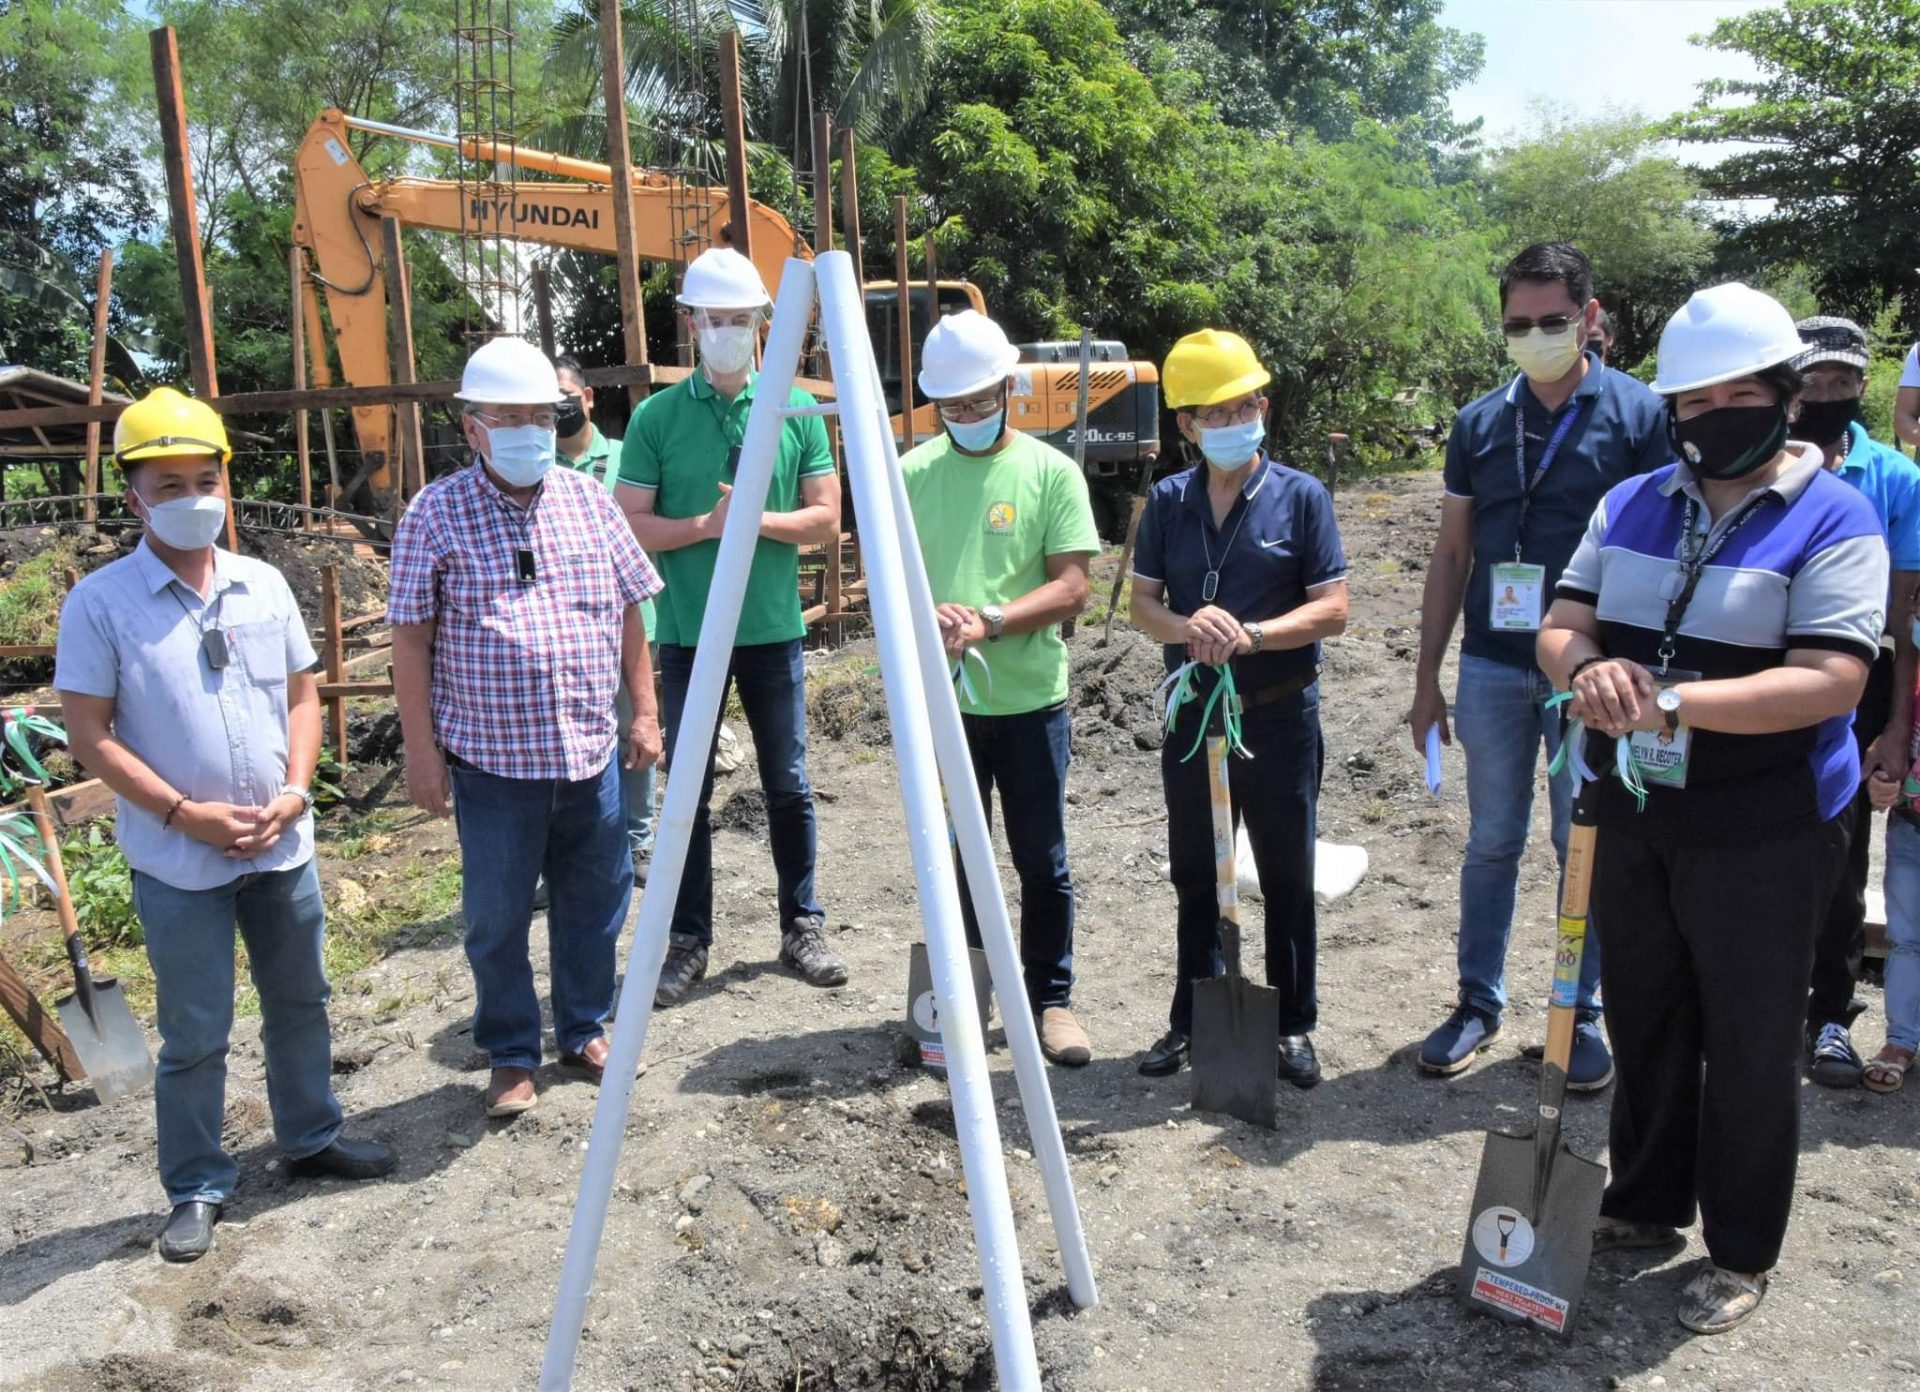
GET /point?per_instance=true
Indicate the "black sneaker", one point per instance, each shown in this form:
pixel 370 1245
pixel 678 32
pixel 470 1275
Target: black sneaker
pixel 804 948
pixel 686 963
pixel 1832 1059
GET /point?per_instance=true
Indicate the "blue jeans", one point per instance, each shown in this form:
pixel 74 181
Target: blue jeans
pixel 773 691
pixel 511 830
pixel 1276 794
pixel 1501 717
pixel 1903 933
pixel 636 786
pixel 1026 757
pixel 190 944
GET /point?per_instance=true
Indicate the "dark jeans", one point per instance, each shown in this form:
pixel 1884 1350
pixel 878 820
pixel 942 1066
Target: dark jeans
pixel 772 684
pixel 1276 793
pixel 1026 757
pixel 1843 932
pixel 1704 973
pixel 511 830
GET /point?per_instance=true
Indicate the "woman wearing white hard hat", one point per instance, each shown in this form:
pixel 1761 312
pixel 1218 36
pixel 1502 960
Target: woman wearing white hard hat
pixel 1721 614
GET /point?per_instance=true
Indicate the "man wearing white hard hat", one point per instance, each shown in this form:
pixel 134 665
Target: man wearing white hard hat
pixel 1006 530
pixel 1720 615
pixel 676 474
pixel 516 594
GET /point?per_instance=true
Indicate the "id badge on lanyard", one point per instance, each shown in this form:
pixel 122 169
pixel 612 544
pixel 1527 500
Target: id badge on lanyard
pixel 1517 596
pixel 1661 755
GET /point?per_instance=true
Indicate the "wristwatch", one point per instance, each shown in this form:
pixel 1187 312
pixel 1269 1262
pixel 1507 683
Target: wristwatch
pixel 1255 636
pixel 1669 703
pixel 295 790
pixel 995 620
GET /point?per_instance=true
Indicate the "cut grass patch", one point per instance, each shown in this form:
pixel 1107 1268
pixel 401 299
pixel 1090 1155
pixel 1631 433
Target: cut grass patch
pixel 31 597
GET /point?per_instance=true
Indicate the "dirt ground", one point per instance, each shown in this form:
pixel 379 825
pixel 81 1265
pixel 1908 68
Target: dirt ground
pixel 790 1212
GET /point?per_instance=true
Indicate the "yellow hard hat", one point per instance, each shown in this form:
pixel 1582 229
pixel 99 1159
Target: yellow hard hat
pixel 1209 367
pixel 164 423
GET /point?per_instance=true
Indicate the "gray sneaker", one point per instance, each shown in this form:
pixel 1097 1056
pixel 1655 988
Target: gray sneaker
pixel 804 948
pixel 686 963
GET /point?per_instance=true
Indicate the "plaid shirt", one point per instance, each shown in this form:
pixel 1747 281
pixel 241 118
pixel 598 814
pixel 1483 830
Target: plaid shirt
pixel 524 675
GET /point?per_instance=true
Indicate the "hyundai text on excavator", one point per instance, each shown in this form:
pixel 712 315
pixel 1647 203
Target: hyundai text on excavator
pixel 337 213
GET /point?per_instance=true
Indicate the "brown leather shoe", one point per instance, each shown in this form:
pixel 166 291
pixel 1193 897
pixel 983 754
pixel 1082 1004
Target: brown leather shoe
pixel 510 1092
pixel 590 1063
pixel 1061 1038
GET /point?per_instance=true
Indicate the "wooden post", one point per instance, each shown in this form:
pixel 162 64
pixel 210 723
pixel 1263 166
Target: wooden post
pixel 333 652
pixel 903 304
pixel 413 464
pixel 185 219
pixel 734 121
pixel 41 1026
pixel 303 459
pixel 96 383
pixel 822 184
pixel 613 73
pixel 543 307
pixel 850 202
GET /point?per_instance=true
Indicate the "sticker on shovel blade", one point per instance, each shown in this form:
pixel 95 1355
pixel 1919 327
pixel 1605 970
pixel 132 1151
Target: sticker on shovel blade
pixel 1503 1236
pixel 1518 1298
pixel 926 1014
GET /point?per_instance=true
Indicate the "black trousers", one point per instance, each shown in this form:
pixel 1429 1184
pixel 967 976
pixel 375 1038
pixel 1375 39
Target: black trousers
pixel 1705 954
pixel 1843 933
pixel 1276 793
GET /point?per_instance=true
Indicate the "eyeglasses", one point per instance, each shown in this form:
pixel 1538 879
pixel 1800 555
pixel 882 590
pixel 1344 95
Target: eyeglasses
pixel 543 416
pixel 1552 325
pixel 1213 417
pixel 977 409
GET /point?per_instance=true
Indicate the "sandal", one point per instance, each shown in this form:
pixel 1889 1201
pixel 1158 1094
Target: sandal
pixel 1888 1069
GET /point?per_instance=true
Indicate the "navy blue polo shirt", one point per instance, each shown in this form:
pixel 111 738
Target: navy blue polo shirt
pixel 1279 541
pixel 1621 432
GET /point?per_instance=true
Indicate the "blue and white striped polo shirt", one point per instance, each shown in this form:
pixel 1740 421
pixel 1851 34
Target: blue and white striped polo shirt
pixel 1808 569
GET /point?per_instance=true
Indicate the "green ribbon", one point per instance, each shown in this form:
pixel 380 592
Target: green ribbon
pixel 1572 757
pixel 17 832
pixel 1181 688
pixel 969 695
pixel 19 723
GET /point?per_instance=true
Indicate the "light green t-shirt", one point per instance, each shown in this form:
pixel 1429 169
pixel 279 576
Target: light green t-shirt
pixel 987 526
pixel 602 461
pixel 681 444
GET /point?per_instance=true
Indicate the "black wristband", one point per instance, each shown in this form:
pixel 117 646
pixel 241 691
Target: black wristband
pixel 178 803
pixel 1582 666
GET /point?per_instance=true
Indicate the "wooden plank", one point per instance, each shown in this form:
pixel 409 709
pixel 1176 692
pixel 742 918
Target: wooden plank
pixel 96 382
pixel 850 203
pixel 340 691
pixel 903 305
pixel 613 88
pixel 413 459
pixel 362 620
pixel 331 653
pixel 822 184
pixel 40 1025
pixel 733 121
pixel 76 803
pixel 26 650
pixel 302 456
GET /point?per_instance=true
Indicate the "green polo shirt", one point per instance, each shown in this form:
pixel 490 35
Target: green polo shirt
pixel 680 444
pixel 987 526
pixel 602 461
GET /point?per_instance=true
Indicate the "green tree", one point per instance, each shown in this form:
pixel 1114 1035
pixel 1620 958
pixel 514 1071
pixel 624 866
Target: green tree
pixel 1603 186
pixel 1835 117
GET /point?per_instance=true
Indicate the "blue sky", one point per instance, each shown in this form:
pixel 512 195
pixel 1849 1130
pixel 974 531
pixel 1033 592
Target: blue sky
pixel 1589 56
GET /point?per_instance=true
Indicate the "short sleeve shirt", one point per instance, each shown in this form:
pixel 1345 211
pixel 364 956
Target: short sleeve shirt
pixel 986 527
pixel 132 632
pixel 601 461
pixel 1620 431
pixel 524 671
pixel 1278 542
pixel 683 444
pixel 1891 483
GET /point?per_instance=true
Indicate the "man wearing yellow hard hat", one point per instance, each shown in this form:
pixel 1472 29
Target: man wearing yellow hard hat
pixel 1239 566
pixel 186 682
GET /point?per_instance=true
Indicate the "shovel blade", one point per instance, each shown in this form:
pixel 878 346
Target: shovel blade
pixel 1524 1262
pixel 1236 1040
pixel 110 1045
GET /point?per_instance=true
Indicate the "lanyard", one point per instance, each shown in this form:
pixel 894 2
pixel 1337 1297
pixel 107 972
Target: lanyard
pixel 1695 555
pixel 1527 485
pixel 1210 586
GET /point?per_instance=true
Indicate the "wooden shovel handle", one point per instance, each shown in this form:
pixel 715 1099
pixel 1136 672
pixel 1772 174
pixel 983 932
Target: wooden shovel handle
pixel 1570 941
pixel 50 844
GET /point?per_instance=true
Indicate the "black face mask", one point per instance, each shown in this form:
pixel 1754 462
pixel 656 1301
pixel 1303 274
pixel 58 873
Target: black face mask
pixel 570 417
pixel 1730 442
pixel 1823 422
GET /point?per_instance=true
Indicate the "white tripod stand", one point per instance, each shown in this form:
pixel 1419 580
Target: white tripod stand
pixel 930 748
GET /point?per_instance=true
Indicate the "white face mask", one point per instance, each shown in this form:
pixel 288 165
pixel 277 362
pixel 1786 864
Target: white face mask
pixel 520 454
pixel 726 348
pixel 187 524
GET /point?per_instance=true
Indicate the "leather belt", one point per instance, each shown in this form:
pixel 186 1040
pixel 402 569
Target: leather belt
pixel 1293 686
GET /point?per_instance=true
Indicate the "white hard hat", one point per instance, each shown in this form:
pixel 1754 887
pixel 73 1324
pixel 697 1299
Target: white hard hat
pixel 509 372
pixel 721 278
pixel 1721 333
pixel 966 352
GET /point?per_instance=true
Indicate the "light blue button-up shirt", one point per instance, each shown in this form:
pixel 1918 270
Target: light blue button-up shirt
pixel 132 632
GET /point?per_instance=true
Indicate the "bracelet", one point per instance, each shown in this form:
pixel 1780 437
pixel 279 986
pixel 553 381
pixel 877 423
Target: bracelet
pixel 178 803
pixel 1582 666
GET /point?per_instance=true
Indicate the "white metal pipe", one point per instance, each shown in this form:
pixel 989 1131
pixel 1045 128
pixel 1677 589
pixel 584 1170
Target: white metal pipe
pixel 990 900
pixel 701 711
pixel 1002 1284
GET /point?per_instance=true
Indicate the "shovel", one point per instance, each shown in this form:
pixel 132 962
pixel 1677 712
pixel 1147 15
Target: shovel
pixel 102 1029
pixel 1236 1024
pixel 1530 1236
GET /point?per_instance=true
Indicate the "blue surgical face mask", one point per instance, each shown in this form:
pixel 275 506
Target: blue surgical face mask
pixel 977 436
pixel 1229 447
pixel 520 454
pixel 187 524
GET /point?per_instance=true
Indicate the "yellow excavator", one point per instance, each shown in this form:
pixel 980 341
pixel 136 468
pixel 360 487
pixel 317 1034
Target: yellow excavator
pixel 338 208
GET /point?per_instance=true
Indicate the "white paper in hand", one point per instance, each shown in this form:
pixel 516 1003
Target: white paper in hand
pixel 1433 759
